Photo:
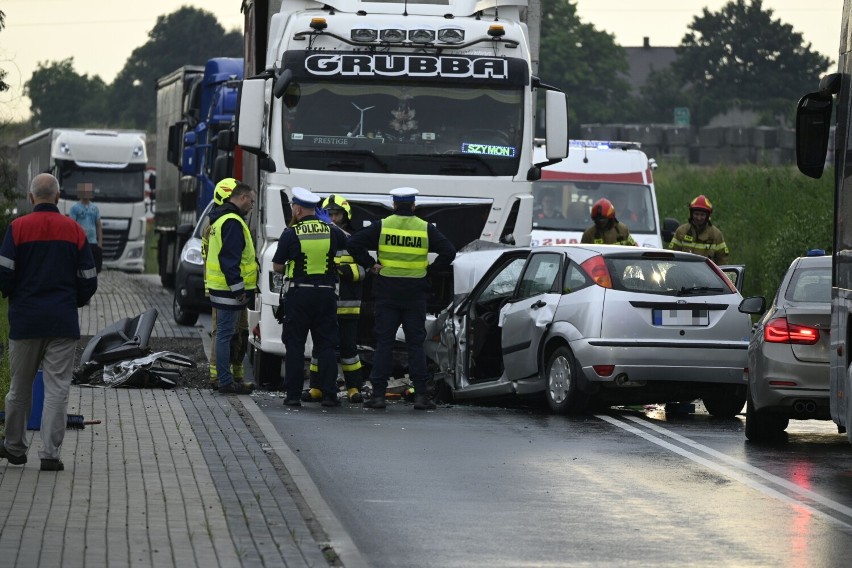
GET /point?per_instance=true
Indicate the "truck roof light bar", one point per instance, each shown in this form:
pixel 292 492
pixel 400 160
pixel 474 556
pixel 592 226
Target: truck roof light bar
pixel 509 43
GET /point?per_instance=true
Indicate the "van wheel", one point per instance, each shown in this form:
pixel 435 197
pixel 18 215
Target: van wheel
pixel 761 426
pixel 726 401
pixel 561 385
pixel 182 317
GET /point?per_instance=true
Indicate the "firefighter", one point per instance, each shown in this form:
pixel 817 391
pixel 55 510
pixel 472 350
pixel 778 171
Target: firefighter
pixel 239 342
pixel 306 250
pixel 699 235
pixel 351 278
pixel 230 276
pixel 401 287
pixel 607 230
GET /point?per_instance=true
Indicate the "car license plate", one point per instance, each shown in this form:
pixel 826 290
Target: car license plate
pixel 680 317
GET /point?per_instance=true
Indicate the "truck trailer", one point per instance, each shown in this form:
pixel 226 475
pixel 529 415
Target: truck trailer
pixel 114 162
pixel 195 104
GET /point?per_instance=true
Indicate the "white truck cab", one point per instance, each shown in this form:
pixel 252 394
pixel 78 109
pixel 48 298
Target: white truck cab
pixel 618 171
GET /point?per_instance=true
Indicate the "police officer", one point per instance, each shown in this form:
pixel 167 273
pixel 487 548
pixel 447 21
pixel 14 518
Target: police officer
pixel 231 276
pixel 351 278
pixel 239 342
pixel 699 235
pixel 307 250
pixel 607 230
pixel 401 288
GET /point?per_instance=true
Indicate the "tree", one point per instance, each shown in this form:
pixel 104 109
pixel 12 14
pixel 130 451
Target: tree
pixel 188 36
pixel 61 97
pixel 585 63
pixel 741 56
pixel 4 86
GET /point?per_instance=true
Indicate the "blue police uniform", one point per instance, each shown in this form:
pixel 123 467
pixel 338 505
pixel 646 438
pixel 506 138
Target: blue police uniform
pixel 309 246
pixel 401 289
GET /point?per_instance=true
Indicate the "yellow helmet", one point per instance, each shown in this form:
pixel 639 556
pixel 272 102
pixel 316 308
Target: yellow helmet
pixel 338 203
pixel 223 190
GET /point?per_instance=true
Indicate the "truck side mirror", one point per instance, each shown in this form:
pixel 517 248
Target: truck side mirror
pixel 225 141
pixel 556 124
pixel 251 115
pixel 813 125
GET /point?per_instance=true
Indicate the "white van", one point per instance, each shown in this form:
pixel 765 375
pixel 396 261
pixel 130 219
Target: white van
pixel 618 171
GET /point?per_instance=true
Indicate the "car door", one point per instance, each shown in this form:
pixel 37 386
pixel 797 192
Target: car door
pixel 528 314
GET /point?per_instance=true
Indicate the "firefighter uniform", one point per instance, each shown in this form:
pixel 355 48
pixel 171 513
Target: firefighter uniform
pixel 308 249
pixel 402 243
pixel 616 234
pixel 349 290
pixel 704 239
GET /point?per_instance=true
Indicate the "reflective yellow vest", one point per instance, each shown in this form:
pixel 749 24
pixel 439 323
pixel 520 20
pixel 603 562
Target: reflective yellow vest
pixel 215 278
pixel 404 247
pixel 315 242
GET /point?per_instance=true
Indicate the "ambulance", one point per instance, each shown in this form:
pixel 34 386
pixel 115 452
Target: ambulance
pixel 594 169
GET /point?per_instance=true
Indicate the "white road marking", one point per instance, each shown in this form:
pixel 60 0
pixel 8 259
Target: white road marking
pixel 736 475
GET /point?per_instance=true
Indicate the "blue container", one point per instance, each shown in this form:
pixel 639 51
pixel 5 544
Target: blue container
pixel 34 423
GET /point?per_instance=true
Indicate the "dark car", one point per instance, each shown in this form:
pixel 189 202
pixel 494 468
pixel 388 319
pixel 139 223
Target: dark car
pixel 789 352
pixel 190 299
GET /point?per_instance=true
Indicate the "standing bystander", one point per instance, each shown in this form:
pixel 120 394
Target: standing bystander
pixel 403 243
pixel 47 272
pixel 89 216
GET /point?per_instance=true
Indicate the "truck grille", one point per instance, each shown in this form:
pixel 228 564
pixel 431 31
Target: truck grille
pixel 114 243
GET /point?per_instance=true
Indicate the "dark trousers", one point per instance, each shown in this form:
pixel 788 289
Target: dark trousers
pixel 98 254
pixel 348 354
pixel 311 310
pixel 390 314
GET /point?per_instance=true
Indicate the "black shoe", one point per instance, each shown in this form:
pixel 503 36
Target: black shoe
pixel 52 465
pixel 377 402
pixel 311 395
pixel 330 400
pixel 423 402
pixel 292 401
pixel 234 388
pixel 13 459
pixel 214 385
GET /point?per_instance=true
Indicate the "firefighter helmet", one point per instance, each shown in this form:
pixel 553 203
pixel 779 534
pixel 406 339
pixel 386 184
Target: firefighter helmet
pixel 223 190
pixel 701 203
pixel 603 209
pixel 338 203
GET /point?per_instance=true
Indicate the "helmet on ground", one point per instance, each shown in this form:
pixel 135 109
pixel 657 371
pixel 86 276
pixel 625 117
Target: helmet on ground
pixel 603 209
pixel 337 203
pixel 223 190
pixel 701 203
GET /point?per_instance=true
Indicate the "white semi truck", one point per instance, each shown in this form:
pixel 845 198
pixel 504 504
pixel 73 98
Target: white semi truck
pixel 357 98
pixel 114 162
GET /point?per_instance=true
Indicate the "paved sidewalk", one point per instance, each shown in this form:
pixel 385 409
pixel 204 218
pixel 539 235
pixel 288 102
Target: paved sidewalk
pixel 178 477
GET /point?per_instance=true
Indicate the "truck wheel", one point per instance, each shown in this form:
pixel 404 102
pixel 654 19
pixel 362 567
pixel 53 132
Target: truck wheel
pixel 266 369
pixel 763 427
pixel 726 401
pixel 182 317
pixel 561 385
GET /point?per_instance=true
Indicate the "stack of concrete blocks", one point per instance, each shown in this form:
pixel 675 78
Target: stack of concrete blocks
pixel 679 142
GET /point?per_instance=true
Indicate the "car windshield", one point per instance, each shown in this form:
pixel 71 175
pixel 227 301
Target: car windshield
pixel 666 276
pixel 567 205
pixel 810 285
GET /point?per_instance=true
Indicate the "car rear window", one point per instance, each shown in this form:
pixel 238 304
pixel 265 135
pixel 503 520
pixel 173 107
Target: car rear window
pixel 810 285
pixel 666 276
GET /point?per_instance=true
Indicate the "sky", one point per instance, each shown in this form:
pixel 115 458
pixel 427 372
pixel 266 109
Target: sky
pixel 101 34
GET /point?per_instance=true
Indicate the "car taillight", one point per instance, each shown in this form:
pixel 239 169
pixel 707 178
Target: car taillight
pixel 596 268
pixel 780 331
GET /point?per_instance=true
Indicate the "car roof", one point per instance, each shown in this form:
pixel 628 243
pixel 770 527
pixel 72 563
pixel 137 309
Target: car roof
pixel 813 261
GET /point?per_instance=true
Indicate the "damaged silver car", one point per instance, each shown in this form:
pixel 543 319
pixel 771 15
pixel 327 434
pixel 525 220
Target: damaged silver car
pixel 587 324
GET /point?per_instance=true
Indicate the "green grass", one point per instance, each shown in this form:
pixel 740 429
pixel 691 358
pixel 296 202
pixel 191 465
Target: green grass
pixel 768 214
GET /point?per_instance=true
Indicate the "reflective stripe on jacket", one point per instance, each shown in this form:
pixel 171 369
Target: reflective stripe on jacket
pixel 404 247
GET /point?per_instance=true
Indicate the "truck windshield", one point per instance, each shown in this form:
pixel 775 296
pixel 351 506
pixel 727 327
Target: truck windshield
pixel 566 206
pixel 124 185
pixel 406 129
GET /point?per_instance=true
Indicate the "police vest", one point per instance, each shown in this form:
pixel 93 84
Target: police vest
pixel 315 243
pixel 404 247
pixel 215 279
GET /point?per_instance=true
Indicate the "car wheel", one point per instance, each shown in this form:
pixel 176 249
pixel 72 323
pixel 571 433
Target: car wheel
pixel 761 426
pixel 725 402
pixel 182 316
pixel 266 369
pixel 561 386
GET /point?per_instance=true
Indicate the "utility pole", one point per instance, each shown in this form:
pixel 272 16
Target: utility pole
pixel 534 27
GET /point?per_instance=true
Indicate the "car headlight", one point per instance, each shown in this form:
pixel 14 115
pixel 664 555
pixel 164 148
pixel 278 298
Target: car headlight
pixel 192 254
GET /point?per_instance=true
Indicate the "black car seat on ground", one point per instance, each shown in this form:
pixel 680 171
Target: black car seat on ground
pixel 124 339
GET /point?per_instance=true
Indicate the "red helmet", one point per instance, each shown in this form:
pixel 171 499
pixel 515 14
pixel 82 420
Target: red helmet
pixel 701 203
pixel 603 209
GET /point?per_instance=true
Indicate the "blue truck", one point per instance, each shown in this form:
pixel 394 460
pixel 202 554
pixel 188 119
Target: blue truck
pixel 195 115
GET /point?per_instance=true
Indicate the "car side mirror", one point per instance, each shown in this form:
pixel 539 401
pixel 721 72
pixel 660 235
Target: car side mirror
pixel 753 305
